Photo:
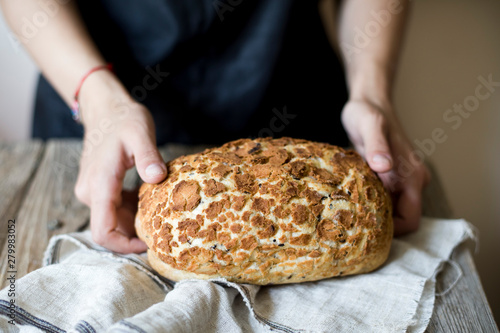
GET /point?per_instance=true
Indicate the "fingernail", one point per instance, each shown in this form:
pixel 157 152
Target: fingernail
pixel 155 170
pixel 381 160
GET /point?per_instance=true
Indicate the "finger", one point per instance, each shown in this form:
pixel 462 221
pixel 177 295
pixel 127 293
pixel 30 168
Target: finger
pixel 130 199
pixel 125 222
pixel 104 230
pixel 390 181
pixel 106 200
pixel 407 210
pixel 126 213
pixel 106 213
pixel 149 163
pixel 376 146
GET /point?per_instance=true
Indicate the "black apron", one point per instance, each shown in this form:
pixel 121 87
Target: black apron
pixel 213 71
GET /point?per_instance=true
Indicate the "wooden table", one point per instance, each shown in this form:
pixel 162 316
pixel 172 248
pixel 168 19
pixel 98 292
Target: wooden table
pixel 36 189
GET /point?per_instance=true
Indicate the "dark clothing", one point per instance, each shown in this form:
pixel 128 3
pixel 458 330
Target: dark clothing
pixel 236 69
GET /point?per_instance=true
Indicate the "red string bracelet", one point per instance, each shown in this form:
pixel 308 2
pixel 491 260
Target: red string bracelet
pixel 75 108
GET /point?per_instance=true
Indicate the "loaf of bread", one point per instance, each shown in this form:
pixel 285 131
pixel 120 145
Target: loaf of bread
pixel 266 211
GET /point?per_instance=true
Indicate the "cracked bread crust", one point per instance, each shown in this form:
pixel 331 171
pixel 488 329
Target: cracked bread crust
pixel 266 211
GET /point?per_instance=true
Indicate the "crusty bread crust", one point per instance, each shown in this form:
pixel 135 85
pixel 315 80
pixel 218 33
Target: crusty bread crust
pixel 266 211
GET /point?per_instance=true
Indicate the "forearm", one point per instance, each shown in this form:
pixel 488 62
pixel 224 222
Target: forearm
pixel 62 47
pixel 370 34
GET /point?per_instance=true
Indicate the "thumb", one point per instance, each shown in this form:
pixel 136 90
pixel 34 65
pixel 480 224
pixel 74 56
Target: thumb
pixel 377 150
pixel 148 160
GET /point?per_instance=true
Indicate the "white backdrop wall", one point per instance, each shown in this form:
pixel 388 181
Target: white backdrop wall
pixel 17 84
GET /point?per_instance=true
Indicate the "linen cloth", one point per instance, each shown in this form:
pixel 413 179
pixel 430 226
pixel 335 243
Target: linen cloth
pixel 83 287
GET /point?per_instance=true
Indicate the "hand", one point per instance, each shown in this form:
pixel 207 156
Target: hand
pixel 377 135
pixel 129 141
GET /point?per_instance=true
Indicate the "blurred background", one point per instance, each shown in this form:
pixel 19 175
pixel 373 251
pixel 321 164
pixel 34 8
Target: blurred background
pixel 450 43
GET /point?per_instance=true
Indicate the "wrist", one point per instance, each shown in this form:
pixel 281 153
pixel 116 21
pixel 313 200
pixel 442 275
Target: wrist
pixel 99 94
pixel 371 84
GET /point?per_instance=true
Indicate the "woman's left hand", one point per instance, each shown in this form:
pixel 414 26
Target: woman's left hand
pixel 377 135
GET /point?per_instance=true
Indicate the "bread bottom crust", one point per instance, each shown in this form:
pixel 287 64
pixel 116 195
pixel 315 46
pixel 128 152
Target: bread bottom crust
pixel 177 275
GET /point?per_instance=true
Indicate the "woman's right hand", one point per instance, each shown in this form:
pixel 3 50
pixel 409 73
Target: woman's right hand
pixel 119 133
